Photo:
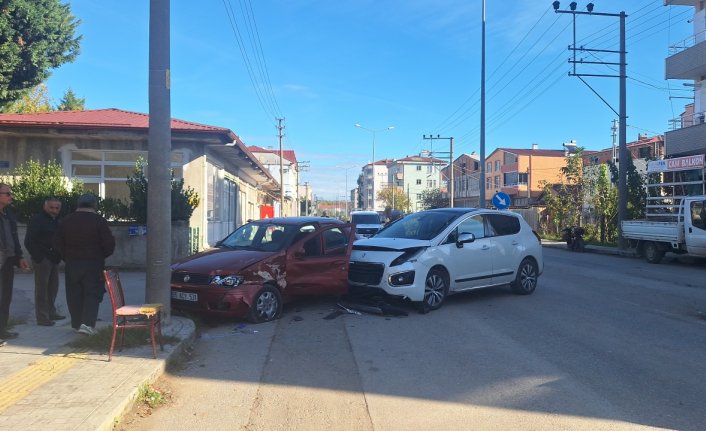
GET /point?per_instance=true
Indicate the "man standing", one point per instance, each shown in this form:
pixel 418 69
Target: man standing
pixel 84 240
pixel 38 241
pixel 10 256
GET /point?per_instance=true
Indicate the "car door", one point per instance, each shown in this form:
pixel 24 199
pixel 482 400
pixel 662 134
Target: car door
pixel 471 264
pixel 508 250
pixel 317 264
pixel 695 227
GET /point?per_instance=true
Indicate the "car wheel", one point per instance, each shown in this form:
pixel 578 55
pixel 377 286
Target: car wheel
pixel 526 278
pixel 436 287
pixel 266 306
pixel 653 254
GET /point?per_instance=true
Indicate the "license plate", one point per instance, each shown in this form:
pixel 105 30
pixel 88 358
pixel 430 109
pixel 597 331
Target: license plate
pixel 185 296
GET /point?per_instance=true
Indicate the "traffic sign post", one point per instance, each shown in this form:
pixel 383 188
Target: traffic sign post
pixel 501 200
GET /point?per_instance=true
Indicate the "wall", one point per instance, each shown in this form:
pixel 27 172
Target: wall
pixel 131 250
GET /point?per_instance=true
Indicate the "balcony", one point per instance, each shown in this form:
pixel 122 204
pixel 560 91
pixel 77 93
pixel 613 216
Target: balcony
pixel 686 59
pixel 686 136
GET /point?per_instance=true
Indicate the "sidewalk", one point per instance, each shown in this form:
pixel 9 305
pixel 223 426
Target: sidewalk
pixel 45 385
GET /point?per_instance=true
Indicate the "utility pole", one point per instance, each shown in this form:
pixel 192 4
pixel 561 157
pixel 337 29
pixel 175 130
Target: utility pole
pixel 280 127
pixel 481 197
pixel 614 129
pixel 622 115
pixel 302 166
pixel 306 198
pixel 451 163
pixel 159 207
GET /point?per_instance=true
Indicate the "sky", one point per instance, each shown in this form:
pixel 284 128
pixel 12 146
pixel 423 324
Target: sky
pixel 325 66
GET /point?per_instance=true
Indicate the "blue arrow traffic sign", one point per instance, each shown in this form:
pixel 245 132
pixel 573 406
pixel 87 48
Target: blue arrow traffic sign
pixel 501 200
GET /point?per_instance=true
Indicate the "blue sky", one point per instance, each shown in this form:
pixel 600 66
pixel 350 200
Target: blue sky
pixel 412 64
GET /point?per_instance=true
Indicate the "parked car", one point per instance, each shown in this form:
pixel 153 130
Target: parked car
pixel 428 255
pixel 367 223
pixel 262 265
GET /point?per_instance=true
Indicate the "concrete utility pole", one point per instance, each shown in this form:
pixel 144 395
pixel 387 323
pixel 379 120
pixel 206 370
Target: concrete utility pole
pixel 623 153
pixel 302 166
pixel 481 197
pixel 159 205
pixel 451 163
pixel 280 127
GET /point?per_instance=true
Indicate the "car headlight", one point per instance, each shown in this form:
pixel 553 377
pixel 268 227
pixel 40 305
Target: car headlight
pixel 227 280
pixel 408 254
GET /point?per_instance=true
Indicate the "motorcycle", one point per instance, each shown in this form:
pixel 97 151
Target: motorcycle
pixel 573 236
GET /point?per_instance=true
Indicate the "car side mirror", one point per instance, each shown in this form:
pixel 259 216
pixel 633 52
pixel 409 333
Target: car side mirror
pixel 465 238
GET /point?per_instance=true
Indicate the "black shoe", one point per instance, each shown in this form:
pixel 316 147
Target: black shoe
pixel 7 335
pixel 48 323
pixel 57 317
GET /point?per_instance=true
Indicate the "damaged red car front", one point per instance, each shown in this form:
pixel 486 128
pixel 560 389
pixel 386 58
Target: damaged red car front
pixel 263 264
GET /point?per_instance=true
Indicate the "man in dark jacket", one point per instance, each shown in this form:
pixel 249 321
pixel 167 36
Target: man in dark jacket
pixel 45 260
pixel 10 256
pixel 84 240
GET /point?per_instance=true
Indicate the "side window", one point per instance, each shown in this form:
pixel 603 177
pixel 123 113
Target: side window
pixel 313 247
pixel 698 214
pixel 472 225
pixel 335 242
pixel 502 224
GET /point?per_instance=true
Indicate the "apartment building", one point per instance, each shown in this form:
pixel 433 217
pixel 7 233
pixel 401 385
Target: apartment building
pixel 466 177
pixel 288 176
pixel 687 61
pixel 521 172
pixel 414 175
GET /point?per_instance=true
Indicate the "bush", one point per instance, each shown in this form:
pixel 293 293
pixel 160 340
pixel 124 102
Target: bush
pixel 33 182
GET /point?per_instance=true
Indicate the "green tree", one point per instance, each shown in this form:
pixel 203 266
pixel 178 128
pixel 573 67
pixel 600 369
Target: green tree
pixel 394 198
pixel 71 102
pixel 605 203
pixel 636 193
pixel 33 182
pixel 36 100
pixel 37 36
pixel 433 198
pixel 184 200
pixel 565 199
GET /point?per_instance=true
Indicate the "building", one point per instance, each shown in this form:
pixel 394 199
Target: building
pixel 466 177
pixel 521 172
pixel 687 61
pixel 373 178
pixel 100 148
pixel 415 174
pixel 289 176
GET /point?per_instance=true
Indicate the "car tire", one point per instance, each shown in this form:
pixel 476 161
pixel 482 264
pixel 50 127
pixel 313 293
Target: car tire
pixel 653 254
pixel 526 279
pixel 266 306
pixel 436 288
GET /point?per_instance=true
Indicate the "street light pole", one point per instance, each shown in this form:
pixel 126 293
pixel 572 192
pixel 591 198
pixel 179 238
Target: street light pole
pixel 373 131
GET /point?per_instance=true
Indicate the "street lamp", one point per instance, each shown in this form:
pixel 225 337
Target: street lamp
pixel 346 168
pixel 373 131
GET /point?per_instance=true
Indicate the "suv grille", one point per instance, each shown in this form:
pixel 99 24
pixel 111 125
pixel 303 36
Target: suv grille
pixel 366 273
pixel 193 278
pixel 367 230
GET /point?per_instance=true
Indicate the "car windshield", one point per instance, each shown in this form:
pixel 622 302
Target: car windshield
pixel 259 236
pixel 423 225
pixel 365 218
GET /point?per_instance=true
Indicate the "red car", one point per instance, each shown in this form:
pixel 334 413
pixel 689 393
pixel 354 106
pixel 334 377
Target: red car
pixel 263 264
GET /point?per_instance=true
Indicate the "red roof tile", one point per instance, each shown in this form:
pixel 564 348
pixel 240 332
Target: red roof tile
pixel 110 118
pixel 286 154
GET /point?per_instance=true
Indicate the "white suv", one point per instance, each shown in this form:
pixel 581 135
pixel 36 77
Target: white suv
pixel 367 223
pixel 430 254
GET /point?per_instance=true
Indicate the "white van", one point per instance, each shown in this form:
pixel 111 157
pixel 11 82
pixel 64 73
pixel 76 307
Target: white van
pixel 367 223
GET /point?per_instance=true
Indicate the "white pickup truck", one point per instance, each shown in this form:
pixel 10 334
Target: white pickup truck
pixel 653 238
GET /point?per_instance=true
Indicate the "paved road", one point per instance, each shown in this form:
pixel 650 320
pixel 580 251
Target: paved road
pixel 606 343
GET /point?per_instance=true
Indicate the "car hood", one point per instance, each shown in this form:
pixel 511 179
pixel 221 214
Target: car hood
pixel 389 244
pixel 221 260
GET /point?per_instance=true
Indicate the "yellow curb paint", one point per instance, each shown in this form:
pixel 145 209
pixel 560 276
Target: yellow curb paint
pixel 20 384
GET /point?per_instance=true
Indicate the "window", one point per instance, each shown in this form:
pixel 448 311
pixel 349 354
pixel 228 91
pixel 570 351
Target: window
pixel 419 168
pixel 335 242
pixel 522 178
pixel 497 181
pixel 497 165
pixel 503 224
pixel 698 214
pixel 472 225
pixel 489 167
pixel 510 178
pixel 429 184
pixel 429 169
pixel 105 172
pixel 488 183
pixel 419 182
pixel 644 152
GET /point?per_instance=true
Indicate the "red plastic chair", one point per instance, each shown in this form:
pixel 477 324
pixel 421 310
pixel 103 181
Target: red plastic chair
pixel 131 316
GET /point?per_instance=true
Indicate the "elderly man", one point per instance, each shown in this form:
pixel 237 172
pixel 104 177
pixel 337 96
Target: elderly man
pixel 84 241
pixel 38 242
pixel 10 256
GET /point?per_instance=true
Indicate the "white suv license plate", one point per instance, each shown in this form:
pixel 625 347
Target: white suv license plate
pixel 185 296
